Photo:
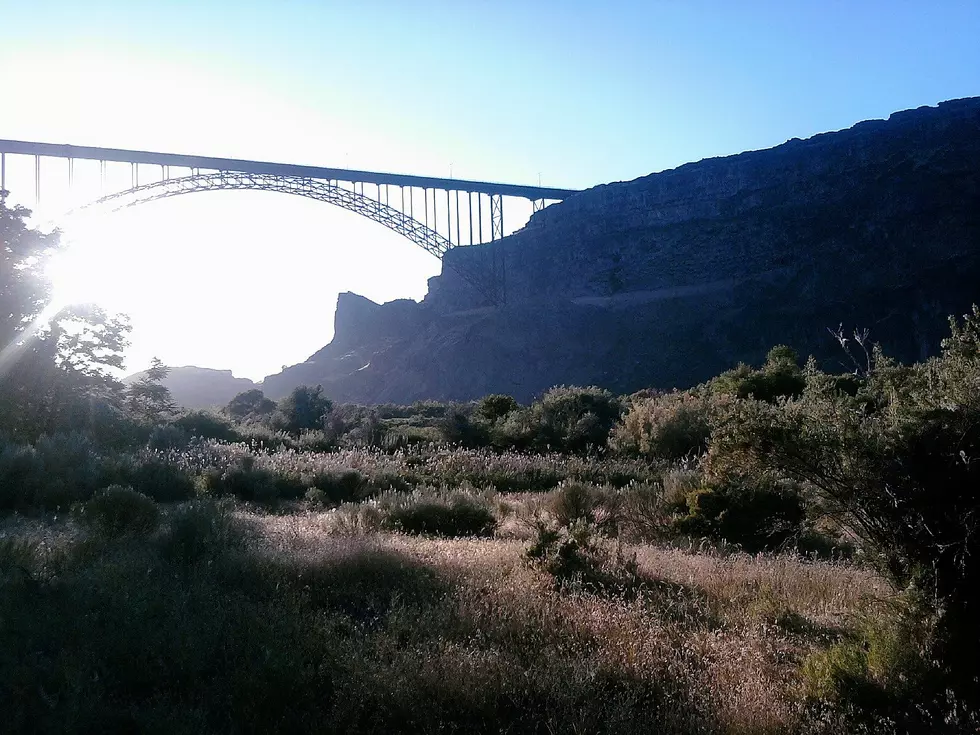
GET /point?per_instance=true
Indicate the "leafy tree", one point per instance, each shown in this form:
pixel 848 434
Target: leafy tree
pixel 304 408
pixel 250 403
pixel 148 398
pixel 54 365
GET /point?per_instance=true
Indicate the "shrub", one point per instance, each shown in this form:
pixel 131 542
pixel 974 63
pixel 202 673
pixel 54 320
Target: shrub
pixel 644 516
pixel 839 672
pixel 197 529
pixel 780 377
pixel 340 487
pixel 577 502
pixel 118 511
pixel 304 408
pixel 458 427
pixel 895 464
pixel 206 425
pixel 753 518
pixel 167 437
pixel 495 407
pixel 249 483
pixel 573 418
pixel 158 478
pixel 441 514
pixel 357 519
pixel 20 474
pixel 576 559
pixel 668 426
pixel 250 404
pixel 68 470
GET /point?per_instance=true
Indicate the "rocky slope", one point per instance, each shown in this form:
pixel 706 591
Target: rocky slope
pixel 668 279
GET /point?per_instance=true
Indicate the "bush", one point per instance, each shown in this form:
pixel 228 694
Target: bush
pixel 304 408
pixel 495 407
pixel 340 487
pixel 206 425
pixel 168 436
pixel 248 483
pixel 753 518
pixel 357 519
pixel 895 465
pixel 68 471
pixel 576 559
pixel 20 474
pixel 573 418
pixel 668 426
pixel 196 530
pixel 780 377
pixel 577 502
pixel 118 511
pixel 441 514
pixel 155 476
pixel 250 404
pixel 458 426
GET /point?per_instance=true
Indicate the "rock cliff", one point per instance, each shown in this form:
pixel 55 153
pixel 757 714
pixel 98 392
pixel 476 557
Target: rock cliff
pixel 668 279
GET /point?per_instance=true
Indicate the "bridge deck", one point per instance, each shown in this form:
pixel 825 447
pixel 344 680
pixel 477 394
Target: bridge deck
pixel 56 150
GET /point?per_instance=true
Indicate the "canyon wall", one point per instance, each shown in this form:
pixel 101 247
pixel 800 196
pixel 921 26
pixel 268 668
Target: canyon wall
pixel 668 279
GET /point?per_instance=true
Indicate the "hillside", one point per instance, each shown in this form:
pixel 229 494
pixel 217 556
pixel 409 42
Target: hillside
pixel 196 387
pixel 668 279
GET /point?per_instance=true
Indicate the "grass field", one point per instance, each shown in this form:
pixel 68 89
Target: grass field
pixel 226 618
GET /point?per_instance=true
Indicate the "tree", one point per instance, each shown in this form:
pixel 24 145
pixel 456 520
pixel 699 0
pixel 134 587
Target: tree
pixel 250 403
pixel 304 408
pixel 148 398
pixel 54 365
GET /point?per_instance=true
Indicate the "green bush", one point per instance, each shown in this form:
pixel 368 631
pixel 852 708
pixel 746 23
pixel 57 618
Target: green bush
pixel 753 518
pixel 577 559
pixel 495 407
pixel 118 511
pixel 578 502
pixel 196 530
pixel 206 425
pixel 668 426
pixel 780 377
pixel 158 478
pixel 895 465
pixel 341 487
pixel 440 514
pixel 573 418
pixel 839 672
pixel 20 474
pixel 305 408
pixel 67 471
pixel 166 437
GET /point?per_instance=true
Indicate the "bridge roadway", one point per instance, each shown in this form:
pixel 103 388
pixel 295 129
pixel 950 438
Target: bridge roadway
pixel 57 150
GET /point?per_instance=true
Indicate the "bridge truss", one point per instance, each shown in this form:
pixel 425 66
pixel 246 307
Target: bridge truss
pixel 420 208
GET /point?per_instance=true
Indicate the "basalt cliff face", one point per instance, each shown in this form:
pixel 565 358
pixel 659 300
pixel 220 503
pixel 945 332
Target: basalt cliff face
pixel 671 278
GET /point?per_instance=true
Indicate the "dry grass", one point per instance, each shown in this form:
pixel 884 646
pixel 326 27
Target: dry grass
pixel 416 634
pixel 727 632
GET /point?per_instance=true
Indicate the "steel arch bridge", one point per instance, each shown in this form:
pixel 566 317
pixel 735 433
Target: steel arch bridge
pixel 404 203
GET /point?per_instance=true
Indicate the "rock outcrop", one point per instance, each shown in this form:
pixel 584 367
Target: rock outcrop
pixel 671 278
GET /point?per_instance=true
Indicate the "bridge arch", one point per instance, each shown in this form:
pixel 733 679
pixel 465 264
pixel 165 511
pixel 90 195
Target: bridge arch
pixel 320 190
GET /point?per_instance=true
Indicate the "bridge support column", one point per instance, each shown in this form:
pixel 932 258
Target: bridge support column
pixel 496 216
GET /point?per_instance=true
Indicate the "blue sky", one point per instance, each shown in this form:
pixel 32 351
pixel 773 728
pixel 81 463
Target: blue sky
pixel 576 93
